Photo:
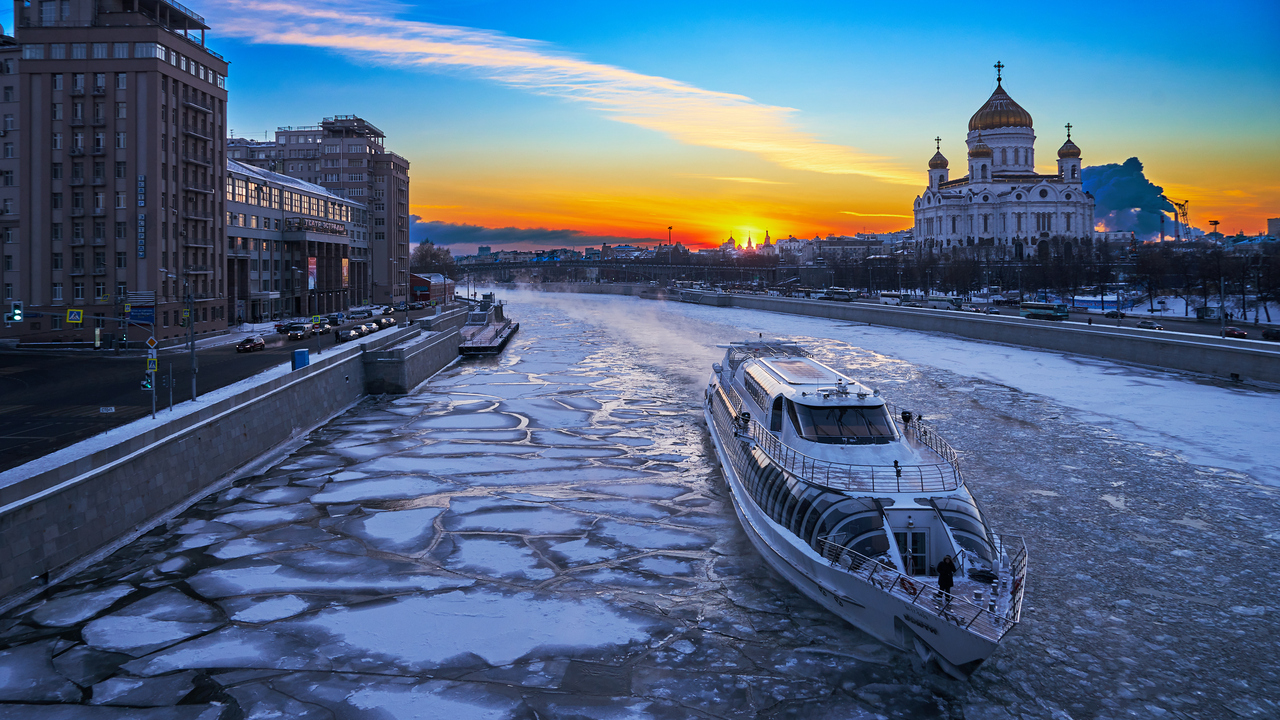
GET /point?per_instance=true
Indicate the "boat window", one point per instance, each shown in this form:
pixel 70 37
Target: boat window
pixel 775 417
pixel 842 425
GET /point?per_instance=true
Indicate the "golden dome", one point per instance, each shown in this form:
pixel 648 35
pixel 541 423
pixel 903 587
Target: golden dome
pixel 981 150
pixel 938 162
pixel 1068 150
pixel 999 111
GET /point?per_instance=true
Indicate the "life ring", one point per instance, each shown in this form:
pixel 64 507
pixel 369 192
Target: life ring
pixel 907 585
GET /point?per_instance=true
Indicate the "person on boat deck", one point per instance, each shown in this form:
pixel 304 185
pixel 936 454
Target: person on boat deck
pixel 946 569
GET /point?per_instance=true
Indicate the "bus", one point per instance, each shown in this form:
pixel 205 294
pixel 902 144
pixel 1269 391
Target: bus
pixel 1044 311
pixel 890 298
pixel 942 302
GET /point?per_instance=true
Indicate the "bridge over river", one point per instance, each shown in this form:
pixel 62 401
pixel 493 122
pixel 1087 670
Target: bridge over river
pixel 544 535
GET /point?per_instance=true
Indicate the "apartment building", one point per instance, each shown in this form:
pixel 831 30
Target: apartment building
pixel 288 246
pixel 347 156
pixel 121 113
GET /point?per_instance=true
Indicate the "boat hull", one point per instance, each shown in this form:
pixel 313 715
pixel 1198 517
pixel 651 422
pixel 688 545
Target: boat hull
pixel 881 614
pixel 491 348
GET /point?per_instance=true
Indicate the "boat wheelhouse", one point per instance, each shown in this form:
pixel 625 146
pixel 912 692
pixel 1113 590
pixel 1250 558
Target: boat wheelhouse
pixel 856 502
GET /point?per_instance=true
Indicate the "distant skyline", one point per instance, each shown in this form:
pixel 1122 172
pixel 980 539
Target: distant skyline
pixel 793 118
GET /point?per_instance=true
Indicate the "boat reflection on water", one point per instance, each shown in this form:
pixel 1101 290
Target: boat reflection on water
pixel 856 503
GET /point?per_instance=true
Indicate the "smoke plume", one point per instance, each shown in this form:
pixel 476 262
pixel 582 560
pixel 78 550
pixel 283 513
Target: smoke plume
pixel 1125 200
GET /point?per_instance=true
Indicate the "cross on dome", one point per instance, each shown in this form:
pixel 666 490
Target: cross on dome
pixel 999 66
pixel 1068 131
pixel 938 140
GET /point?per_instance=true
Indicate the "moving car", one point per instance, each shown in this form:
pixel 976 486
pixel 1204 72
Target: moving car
pixel 1234 332
pixel 361 314
pixel 321 328
pixel 299 331
pixel 336 318
pixel 348 335
pixel 386 322
pixel 1271 334
pixel 1150 325
pixel 1115 314
pixel 991 311
pixel 371 328
pixel 251 343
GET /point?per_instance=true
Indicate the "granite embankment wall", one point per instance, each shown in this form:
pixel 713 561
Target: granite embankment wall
pixel 52 519
pixel 1203 354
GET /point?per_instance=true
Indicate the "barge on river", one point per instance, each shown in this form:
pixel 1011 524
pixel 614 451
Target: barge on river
pixel 856 502
pixel 487 329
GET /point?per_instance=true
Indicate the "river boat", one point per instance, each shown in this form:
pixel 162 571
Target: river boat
pixel 855 502
pixel 487 330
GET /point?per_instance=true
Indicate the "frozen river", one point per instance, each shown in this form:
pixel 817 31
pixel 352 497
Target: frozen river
pixel 544 535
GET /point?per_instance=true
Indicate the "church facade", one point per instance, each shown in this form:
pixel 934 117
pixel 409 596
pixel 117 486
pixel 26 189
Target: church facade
pixel 1003 209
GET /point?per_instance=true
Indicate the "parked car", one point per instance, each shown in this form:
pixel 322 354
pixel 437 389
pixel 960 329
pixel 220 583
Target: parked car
pixel 388 310
pixel 1150 325
pixel 371 328
pixel 387 322
pixel 251 343
pixel 1234 332
pixel 348 335
pixel 1271 334
pixel 299 331
pixel 991 311
pixel 1115 314
pixel 416 306
pixel 361 314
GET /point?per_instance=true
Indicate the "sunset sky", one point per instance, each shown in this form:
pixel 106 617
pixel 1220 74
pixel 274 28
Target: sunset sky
pixel 623 118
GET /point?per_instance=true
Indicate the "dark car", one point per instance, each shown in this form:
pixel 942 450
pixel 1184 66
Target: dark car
pixel 335 319
pixel 321 328
pixel 416 306
pixel 347 335
pixel 1150 325
pixel 387 322
pixel 282 327
pixel 1234 332
pixel 991 311
pixel 371 328
pixel 1271 334
pixel 250 344
pixel 1115 314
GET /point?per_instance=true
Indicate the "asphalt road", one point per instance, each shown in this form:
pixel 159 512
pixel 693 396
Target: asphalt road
pixel 52 399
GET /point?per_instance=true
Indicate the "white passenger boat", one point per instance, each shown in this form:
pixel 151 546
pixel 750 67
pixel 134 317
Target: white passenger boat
pixel 856 502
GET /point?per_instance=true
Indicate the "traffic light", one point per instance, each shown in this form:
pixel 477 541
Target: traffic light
pixel 16 311
pixel 146 383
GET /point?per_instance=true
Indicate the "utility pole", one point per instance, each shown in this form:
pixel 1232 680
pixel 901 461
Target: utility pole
pixel 191 337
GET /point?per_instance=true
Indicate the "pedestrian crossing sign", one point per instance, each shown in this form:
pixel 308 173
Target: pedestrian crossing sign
pixel 315 318
pixel 152 365
pixel 75 316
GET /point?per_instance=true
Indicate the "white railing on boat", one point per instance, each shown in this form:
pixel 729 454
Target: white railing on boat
pixel 938 477
pixel 992 620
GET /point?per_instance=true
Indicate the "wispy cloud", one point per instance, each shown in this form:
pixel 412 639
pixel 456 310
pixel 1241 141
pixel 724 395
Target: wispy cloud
pixel 687 113
pixel 858 214
pixel 758 181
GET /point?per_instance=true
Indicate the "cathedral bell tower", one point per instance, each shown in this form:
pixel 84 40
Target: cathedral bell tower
pixel 937 167
pixel 1069 159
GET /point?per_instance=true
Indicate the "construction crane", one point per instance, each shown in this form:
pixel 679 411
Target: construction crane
pixel 1180 217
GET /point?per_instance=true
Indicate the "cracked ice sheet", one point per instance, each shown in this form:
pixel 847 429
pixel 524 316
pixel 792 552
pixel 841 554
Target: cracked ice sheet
pixel 68 610
pixel 397 531
pixel 154 622
pixel 426 632
pixel 257 577
pixel 497 558
pixel 233 647
pixel 390 488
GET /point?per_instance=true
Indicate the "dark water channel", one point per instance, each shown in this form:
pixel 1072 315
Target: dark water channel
pixel 544 535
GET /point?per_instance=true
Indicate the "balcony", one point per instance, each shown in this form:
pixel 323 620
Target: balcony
pixel 77 91
pixel 99 181
pixel 196 215
pixel 99 212
pixel 197 131
pixel 191 102
pixel 197 187
pixel 77 271
pixel 99 122
pixel 99 90
pixel 98 151
pixel 101 270
pixel 99 241
pixel 77 241
pixel 76 151
pixel 198 158
pixel 197 270
pixel 76 182
pixel 77 122
pixel 197 243
pixel 77 212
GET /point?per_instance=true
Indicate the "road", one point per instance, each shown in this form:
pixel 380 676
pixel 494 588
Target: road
pixel 52 399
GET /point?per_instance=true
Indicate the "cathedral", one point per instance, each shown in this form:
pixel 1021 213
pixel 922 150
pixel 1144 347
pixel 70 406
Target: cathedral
pixel 1003 209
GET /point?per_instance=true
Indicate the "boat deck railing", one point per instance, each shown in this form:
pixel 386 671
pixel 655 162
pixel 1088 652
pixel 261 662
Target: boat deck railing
pixel 992 619
pixel 937 477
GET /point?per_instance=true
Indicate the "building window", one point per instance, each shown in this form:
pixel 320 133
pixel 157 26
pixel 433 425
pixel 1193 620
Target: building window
pixel 100 51
pixel 6 178
pixel 57 81
pixel 122 82
pixel 33 52
pixel 120 50
pixel 56 289
pixel 8 93
pixel 78 51
pixel 9 122
pixel 99 81
pixel 120 200
pixel 55 261
pixel 77 290
pixel 120 170
pixel 121 110
pixel 55 201
pixel 8 262
pixel 122 230
pixel 120 140
pixel 99 291
pixel 8 291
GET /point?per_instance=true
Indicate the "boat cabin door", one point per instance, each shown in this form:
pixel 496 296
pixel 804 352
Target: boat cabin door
pixel 775 416
pixel 913 544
